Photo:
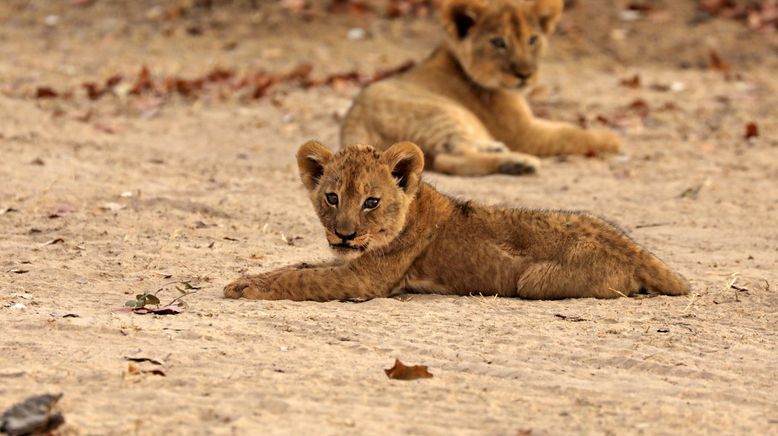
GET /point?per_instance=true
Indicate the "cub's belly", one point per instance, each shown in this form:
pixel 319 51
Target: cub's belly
pixel 466 283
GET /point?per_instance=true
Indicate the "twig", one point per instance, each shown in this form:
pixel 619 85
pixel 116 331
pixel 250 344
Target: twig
pixel 182 296
pixel 691 301
pixel 618 292
pixel 731 282
pixel 643 226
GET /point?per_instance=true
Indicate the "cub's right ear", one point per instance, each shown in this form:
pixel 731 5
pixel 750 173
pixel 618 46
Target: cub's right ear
pixel 406 162
pixel 311 158
pixel 459 16
pixel 549 11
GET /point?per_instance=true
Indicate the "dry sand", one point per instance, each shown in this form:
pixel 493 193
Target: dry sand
pixel 202 190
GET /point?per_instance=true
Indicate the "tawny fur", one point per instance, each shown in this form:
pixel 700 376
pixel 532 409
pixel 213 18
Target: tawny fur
pixel 463 105
pixel 419 240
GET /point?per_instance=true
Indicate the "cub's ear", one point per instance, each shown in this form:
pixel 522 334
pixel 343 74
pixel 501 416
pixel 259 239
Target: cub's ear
pixel 459 16
pixel 406 161
pixel 311 158
pixel 548 11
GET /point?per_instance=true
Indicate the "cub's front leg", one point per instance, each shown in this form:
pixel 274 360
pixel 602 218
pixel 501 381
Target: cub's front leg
pixel 304 282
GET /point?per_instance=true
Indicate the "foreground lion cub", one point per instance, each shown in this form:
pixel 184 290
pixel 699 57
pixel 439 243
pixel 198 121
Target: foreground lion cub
pixel 462 105
pixel 395 233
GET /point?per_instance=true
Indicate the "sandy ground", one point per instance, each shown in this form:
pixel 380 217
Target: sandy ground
pixel 202 190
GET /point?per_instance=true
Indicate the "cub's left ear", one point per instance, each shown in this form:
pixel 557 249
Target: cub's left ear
pixel 459 16
pixel 311 158
pixel 406 161
pixel 549 12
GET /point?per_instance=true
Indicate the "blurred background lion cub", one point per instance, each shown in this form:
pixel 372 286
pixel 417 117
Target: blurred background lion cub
pixel 463 105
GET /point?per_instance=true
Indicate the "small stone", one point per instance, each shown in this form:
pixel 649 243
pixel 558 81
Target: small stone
pixel 356 34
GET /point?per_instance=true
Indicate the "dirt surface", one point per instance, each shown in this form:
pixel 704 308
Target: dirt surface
pixel 121 195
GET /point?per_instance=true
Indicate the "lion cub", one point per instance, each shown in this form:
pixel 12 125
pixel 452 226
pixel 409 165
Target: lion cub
pixel 463 105
pixel 395 233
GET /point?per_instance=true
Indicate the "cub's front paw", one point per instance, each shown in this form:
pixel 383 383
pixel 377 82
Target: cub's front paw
pixel 244 287
pixel 604 141
pixel 517 164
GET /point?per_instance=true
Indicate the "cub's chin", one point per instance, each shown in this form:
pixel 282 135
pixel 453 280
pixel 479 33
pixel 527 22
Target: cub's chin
pixel 346 252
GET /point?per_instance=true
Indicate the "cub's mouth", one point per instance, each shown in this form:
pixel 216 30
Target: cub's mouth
pixel 346 247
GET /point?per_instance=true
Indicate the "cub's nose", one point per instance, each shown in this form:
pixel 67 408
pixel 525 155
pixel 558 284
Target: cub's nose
pixel 522 71
pixel 523 75
pixel 346 237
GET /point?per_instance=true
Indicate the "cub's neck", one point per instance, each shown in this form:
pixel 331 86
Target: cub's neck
pixel 442 69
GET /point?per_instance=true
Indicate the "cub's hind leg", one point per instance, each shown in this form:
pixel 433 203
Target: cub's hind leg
pixel 512 122
pixel 551 280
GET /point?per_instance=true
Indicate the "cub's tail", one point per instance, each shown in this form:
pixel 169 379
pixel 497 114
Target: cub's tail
pixel 656 278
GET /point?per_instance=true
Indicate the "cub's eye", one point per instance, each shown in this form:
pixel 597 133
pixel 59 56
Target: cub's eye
pixel 371 203
pixel 332 199
pixel 533 40
pixel 498 42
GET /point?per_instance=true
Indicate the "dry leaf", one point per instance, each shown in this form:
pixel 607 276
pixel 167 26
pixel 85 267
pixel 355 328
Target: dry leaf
pixel 46 92
pixel 752 130
pixel 401 372
pixel 135 369
pixel 631 82
pixel 141 359
pixel 569 318
pixel 716 62
pixel 640 107
pixel 162 310
pixel 65 315
pixel 54 241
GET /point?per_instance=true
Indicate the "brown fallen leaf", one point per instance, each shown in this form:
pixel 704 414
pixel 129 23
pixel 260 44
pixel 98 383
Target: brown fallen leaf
pixel 640 107
pixel 716 62
pixel 752 130
pixel 143 83
pixel 105 128
pixel 46 92
pixel 605 120
pixel 135 369
pixel 631 82
pixel 401 372
pixel 356 8
pixel 162 310
pixel 58 314
pixel 141 359
pixel 571 318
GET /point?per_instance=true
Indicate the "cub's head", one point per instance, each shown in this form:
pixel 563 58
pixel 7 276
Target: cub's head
pixel 361 195
pixel 499 42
